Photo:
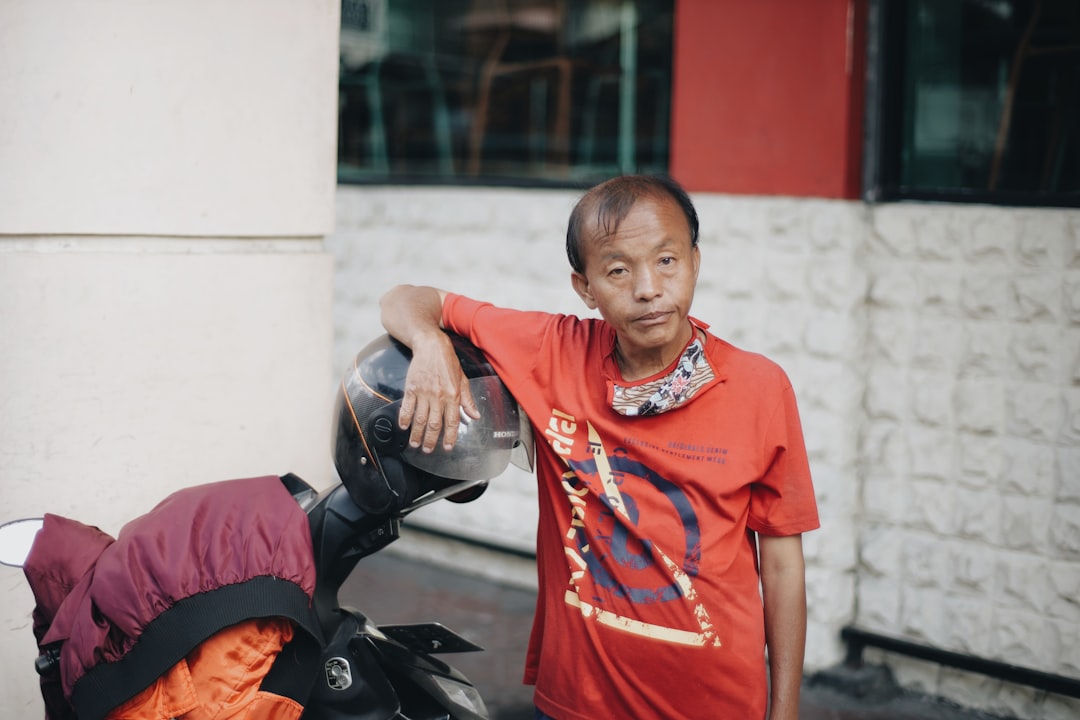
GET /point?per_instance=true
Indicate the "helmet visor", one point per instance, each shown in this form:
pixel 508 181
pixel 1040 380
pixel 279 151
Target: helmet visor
pixel 485 446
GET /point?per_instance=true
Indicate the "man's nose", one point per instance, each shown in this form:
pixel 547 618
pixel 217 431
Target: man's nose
pixel 646 285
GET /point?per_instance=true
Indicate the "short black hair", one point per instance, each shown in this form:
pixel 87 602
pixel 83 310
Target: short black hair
pixel 610 202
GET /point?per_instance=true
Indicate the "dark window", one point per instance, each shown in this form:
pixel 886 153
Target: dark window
pixel 505 91
pixel 975 100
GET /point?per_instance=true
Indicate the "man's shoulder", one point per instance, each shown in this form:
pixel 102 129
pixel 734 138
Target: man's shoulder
pixel 543 326
pixel 733 361
pixel 565 323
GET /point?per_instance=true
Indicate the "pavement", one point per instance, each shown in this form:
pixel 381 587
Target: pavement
pixel 420 578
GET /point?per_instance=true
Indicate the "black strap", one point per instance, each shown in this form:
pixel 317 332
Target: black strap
pixel 296 669
pixel 181 628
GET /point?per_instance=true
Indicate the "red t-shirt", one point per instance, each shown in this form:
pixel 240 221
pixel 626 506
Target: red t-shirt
pixel 649 603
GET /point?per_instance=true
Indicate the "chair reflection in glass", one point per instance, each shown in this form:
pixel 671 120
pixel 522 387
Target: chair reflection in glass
pixel 522 43
pixel 549 69
pixel 388 67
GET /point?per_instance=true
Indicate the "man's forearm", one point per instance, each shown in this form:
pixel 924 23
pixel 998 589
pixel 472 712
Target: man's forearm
pixel 436 390
pixel 784 595
pixel 409 311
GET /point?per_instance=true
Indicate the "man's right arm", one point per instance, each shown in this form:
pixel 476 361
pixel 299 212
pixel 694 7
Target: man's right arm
pixel 436 389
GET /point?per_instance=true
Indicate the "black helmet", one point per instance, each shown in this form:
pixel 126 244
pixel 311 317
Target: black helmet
pixel 382 473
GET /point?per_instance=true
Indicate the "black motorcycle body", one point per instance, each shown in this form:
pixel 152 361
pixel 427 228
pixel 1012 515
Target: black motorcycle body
pixel 372 672
pixel 361 671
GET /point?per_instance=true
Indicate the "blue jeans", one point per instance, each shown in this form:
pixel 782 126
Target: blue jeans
pixel 541 716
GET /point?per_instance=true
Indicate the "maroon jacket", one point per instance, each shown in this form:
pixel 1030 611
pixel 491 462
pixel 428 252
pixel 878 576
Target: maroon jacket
pixel 124 611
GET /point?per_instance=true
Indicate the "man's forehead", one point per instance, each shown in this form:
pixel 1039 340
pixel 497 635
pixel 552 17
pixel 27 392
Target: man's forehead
pixel 600 231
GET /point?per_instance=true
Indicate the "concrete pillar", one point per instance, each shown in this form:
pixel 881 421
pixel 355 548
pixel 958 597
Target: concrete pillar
pixel 167 177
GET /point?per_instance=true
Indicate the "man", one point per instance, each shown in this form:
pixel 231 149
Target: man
pixel 673 482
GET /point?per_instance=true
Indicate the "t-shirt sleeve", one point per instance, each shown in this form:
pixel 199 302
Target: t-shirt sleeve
pixel 511 339
pixel 782 502
pixel 458 313
pixel 493 329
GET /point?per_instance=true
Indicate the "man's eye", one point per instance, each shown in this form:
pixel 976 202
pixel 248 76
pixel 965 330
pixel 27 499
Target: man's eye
pixel 667 260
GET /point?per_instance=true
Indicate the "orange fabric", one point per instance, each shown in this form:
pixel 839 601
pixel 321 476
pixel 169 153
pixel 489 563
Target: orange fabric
pixel 220 679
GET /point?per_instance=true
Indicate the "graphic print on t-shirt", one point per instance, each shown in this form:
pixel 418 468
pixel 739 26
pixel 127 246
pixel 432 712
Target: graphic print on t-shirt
pixel 612 540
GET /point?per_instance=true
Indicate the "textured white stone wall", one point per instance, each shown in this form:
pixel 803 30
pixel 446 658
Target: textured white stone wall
pixel 779 277
pixel 970 533
pixel 935 353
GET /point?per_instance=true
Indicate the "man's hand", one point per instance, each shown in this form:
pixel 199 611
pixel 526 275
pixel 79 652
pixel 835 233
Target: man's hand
pixel 436 394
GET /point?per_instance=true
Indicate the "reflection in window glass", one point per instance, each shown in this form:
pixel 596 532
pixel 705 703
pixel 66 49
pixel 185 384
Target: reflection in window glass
pixel 544 91
pixel 987 99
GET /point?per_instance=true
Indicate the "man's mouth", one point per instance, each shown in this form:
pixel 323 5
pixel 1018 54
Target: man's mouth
pixel 652 318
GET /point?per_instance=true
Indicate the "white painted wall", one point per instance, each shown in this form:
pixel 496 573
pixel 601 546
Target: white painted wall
pixel 196 118
pixel 935 353
pixel 167 175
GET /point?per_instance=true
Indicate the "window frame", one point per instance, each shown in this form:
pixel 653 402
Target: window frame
pixel 578 177
pixel 884 113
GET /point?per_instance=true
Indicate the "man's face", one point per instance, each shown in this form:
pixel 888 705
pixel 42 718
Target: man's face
pixel 642 278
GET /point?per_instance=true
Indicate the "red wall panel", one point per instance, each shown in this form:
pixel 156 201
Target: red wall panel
pixel 768 96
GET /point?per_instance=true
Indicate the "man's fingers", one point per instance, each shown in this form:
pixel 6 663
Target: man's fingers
pixel 467 402
pixel 430 408
pixel 419 424
pixel 431 433
pixel 462 411
pixel 453 427
pixel 413 418
pixel 405 414
pixel 427 425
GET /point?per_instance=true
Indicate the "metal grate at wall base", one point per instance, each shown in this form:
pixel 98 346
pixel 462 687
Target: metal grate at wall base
pixel 857 640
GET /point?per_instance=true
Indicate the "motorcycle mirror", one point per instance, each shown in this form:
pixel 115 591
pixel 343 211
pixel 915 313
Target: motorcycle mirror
pixel 16 539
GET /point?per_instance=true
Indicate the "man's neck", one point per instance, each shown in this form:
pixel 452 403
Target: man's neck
pixel 642 365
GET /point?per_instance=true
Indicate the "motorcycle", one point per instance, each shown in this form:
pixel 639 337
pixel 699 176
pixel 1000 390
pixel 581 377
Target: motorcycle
pixel 367 671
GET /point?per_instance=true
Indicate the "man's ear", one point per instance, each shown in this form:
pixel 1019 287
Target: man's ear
pixel 581 287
